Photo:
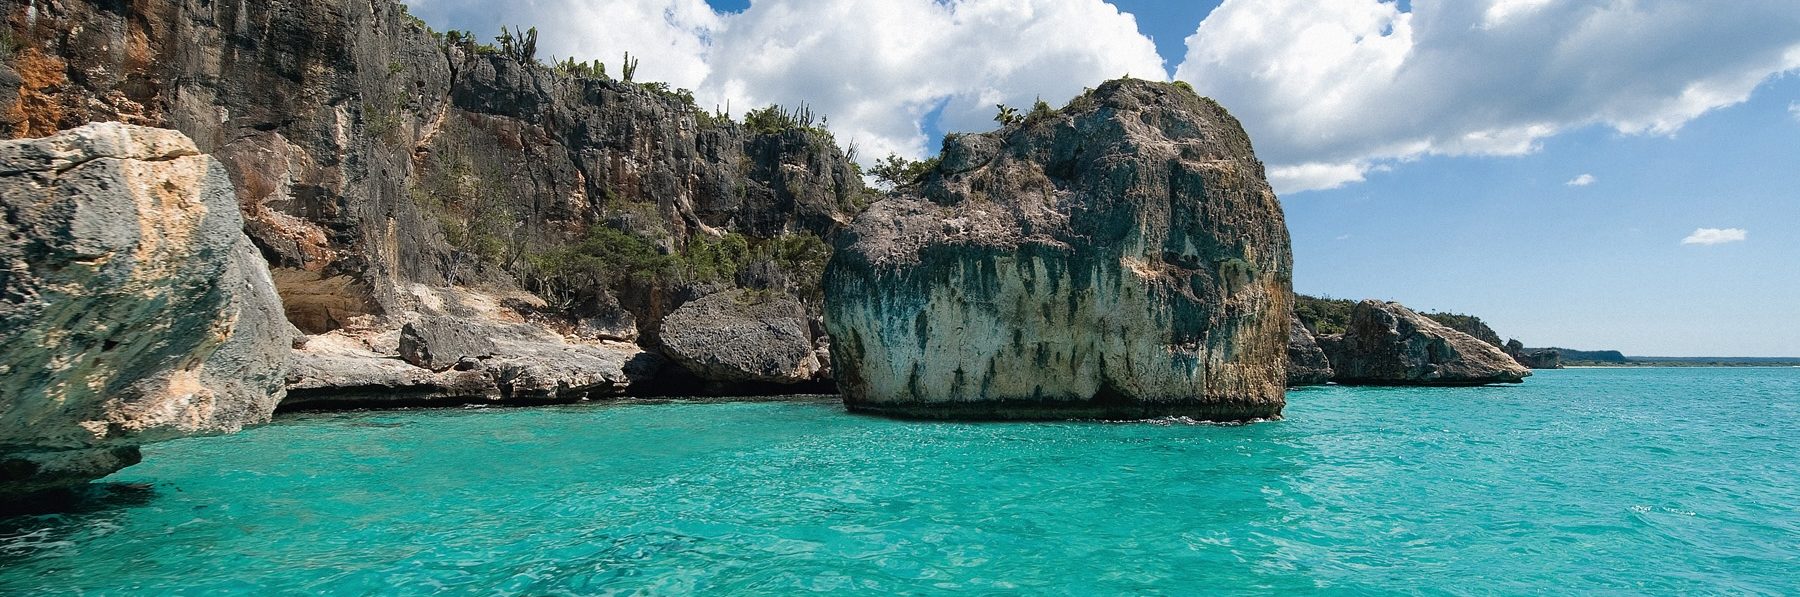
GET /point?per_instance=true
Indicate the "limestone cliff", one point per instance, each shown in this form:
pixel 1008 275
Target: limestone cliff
pixel 379 164
pixel 1306 364
pixel 1389 344
pixel 132 307
pixel 1121 257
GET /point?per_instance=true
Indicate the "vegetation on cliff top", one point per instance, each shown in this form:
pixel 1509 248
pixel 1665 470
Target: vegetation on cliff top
pixel 1326 315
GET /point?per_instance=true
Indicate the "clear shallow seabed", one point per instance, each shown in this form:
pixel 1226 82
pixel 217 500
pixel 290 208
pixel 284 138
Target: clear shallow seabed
pixel 1663 481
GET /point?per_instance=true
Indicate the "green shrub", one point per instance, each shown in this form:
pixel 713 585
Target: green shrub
pixel 774 120
pixel 1040 112
pixel 901 172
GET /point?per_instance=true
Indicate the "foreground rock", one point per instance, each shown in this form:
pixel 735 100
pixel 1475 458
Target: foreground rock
pixel 1121 258
pixel 743 336
pixel 1389 344
pixel 1307 365
pixel 132 307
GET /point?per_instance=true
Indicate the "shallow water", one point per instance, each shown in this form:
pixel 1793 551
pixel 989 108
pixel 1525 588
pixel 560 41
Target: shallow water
pixel 1662 481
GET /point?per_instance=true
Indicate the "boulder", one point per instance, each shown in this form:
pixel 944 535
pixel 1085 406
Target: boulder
pixel 132 307
pixel 1123 257
pixel 439 343
pixel 742 336
pixel 1389 344
pixel 1307 365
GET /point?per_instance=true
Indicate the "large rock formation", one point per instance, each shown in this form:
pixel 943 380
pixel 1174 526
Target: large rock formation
pixel 1389 344
pixel 371 155
pixel 132 307
pixel 1306 364
pixel 1122 257
pixel 743 336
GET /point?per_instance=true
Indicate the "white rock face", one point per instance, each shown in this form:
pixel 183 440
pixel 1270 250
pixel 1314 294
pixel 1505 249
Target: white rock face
pixel 1120 258
pixel 132 307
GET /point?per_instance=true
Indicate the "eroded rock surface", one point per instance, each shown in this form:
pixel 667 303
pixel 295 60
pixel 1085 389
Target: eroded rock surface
pixel 132 307
pixel 1389 344
pixel 467 349
pixel 743 336
pixel 1120 258
pixel 1307 364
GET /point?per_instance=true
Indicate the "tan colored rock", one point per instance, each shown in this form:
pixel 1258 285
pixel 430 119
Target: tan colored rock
pixel 132 307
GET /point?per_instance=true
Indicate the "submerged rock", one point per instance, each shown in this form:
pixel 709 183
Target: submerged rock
pixel 1120 258
pixel 743 336
pixel 132 307
pixel 1307 365
pixel 1389 344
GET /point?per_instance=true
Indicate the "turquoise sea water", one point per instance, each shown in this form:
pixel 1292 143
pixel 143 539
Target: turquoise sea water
pixel 1662 481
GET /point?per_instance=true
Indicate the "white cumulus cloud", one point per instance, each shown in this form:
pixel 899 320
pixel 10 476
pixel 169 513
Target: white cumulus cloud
pixel 1715 236
pixel 1794 109
pixel 1581 181
pixel 1332 88
pixel 876 69
pixel 669 37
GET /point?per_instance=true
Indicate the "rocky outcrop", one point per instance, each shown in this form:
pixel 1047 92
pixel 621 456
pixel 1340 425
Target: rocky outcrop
pixel 1120 258
pixel 1534 358
pixel 371 155
pixel 1306 362
pixel 1469 324
pixel 743 336
pixel 470 350
pixel 1389 344
pixel 132 307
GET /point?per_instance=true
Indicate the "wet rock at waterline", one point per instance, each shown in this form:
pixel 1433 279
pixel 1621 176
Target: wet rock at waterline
pixel 132 307
pixel 1120 258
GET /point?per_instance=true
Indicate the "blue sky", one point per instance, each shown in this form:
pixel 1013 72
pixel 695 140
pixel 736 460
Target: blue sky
pixel 1424 151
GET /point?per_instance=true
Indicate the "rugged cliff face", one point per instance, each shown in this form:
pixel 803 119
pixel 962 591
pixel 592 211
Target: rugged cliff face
pixel 1306 364
pixel 132 307
pixel 379 165
pixel 1389 344
pixel 1122 257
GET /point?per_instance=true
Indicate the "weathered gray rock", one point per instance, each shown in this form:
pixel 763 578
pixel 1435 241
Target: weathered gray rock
pixel 1307 365
pixel 742 336
pixel 439 343
pixel 1534 358
pixel 132 307
pixel 1468 324
pixel 1121 258
pixel 1389 344
pixel 519 365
